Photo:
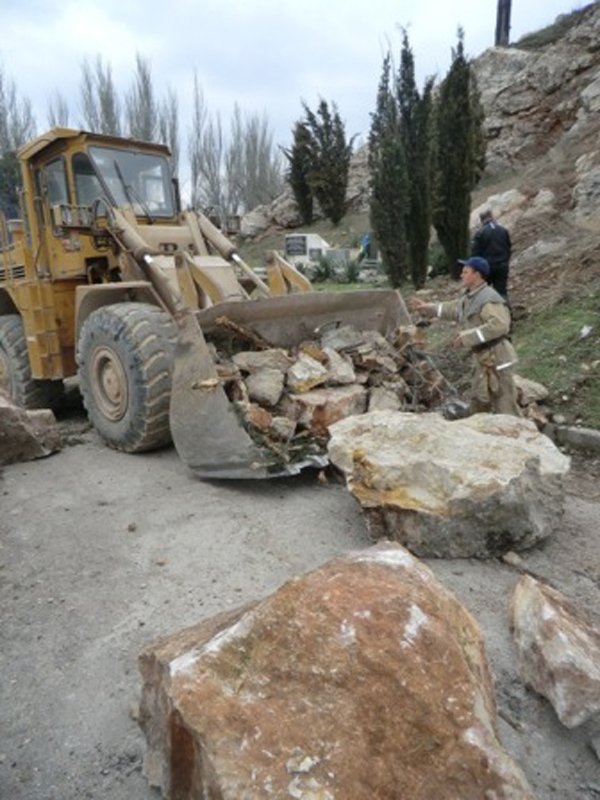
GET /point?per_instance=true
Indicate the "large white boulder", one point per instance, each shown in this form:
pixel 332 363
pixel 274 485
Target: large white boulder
pixel 471 487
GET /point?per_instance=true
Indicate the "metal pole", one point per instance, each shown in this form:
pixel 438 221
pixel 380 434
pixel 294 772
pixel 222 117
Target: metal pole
pixel 503 23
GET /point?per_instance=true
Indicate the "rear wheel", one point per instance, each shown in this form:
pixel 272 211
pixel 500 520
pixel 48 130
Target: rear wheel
pixel 125 361
pixel 15 372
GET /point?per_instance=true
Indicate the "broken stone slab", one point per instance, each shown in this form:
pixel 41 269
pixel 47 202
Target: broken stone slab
pixel 341 370
pixel 282 428
pixel 365 678
pixel 382 398
pixel 26 434
pixel 345 337
pixel 530 391
pixel 254 360
pixel 370 358
pixel 558 651
pixel 265 385
pixel 318 409
pixel 473 487
pixel 255 416
pixel 305 374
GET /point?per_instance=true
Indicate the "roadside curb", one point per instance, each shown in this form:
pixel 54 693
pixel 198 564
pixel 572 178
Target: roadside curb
pixel 581 438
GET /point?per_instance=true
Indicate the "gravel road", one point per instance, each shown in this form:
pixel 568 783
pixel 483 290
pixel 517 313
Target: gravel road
pixel 101 553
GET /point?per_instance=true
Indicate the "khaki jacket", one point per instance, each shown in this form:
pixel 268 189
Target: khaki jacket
pixel 485 318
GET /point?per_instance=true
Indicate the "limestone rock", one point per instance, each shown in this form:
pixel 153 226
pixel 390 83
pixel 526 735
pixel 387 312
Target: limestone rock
pixel 254 360
pixel 530 391
pixel 470 487
pixel 346 337
pixel 255 416
pixel 254 222
pixel 340 369
pixel 586 193
pixel 506 207
pixel 533 99
pixel 558 651
pixel 318 409
pixel 382 398
pixel 541 249
pixel 365 678
pixel 282 428
pixel 266 386
pixel 26 434
pixel 306 373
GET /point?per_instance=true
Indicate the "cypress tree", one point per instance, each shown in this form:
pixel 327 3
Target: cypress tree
pixel 330 159
pixel 388 181
pixel 460 155
pixel 299 157
pixel 416 114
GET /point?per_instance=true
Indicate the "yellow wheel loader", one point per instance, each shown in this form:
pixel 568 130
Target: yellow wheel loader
pixel 105 277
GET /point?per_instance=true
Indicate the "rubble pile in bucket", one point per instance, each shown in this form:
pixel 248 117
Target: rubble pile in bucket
pixel 287 398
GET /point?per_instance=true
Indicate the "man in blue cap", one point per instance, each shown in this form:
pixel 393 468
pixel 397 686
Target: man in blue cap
pixel 485 320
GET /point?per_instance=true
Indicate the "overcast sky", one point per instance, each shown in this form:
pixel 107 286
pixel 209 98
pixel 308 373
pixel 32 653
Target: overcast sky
pixel 266 55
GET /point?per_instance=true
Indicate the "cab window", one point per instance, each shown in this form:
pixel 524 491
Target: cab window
pixel 87 184
pixel 55 182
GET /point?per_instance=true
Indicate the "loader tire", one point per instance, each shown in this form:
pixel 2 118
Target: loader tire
pixel 125 361
pixel 15 371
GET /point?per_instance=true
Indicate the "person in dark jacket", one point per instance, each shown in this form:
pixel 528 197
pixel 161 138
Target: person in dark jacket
pixel 492 242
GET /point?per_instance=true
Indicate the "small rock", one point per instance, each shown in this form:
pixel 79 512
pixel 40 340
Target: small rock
pixel 512 559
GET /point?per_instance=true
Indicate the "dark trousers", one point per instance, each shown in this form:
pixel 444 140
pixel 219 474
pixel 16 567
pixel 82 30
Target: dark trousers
pixel 499 279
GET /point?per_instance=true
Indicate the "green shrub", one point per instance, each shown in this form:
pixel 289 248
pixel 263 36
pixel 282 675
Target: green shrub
pixel 351 271
pixel 324 270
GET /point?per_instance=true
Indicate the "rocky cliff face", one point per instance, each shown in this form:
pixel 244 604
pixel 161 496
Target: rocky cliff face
pixel 539 99
pixel 542 179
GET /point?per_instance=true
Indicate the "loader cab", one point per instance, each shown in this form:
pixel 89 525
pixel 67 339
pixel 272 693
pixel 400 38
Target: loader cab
pixel 134 179
pixel 75 170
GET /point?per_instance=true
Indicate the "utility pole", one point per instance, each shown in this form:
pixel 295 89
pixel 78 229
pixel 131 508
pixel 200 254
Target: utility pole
pixel 503 23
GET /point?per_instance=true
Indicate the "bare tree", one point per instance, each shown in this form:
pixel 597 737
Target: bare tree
pixel 206 156
pixel 168 125
pixel 254 167
pixel 17 124
pixel 213 194
pixel 194 141
pixel 141 108
pixel 234 163
pixel 100 104
pixel 58 111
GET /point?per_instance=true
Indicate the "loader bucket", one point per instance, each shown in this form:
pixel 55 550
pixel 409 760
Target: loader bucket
pixel 208 433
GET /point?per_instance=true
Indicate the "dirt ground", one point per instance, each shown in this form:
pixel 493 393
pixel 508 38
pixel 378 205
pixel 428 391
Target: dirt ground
pixel 101 553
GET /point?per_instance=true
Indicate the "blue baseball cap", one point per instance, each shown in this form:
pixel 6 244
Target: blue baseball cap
pixel 477 263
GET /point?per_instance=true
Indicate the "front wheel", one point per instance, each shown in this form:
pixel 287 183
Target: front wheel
pixel 15 372
pixel 125 358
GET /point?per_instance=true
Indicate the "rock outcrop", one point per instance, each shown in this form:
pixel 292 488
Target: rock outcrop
pixel 363 679
pixel 283 213
pixel 26 435
pixel 534 99
pixel 474 487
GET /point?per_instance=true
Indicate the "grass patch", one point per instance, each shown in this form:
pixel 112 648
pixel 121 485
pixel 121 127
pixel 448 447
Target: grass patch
pixel 552 33
pixel 553 351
